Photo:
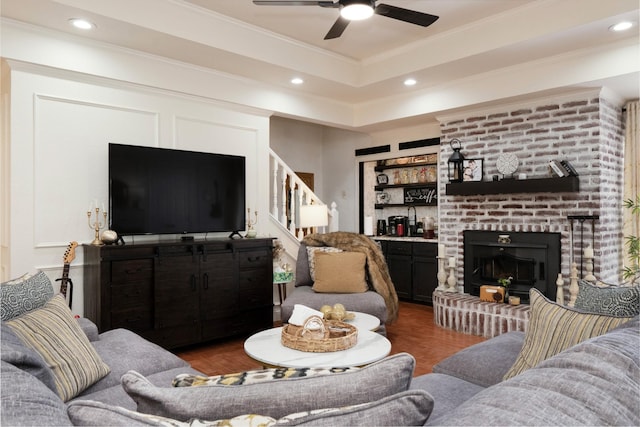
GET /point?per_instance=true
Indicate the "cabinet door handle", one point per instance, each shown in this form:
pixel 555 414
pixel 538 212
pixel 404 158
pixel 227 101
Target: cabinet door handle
pixel 193 282
pixel 205 283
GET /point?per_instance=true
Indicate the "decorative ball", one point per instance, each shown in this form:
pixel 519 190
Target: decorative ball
pixel 338 314
pixel 325 309
pixel 109 236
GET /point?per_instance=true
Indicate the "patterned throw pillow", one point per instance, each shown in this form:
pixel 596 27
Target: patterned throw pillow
pixel 253 377
pixel 24 294
pixel 554 328
pixel 609 300
pixel 311 252
pixel 54 334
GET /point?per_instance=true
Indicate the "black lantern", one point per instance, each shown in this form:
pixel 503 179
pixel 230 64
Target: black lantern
pixel 455 165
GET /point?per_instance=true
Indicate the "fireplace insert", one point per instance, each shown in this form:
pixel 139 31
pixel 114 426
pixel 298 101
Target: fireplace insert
pixel 531 259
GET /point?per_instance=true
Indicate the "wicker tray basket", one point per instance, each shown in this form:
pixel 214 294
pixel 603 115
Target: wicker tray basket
pixel 320 336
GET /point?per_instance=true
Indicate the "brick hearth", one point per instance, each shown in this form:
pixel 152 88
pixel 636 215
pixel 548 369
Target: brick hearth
pixel 467 314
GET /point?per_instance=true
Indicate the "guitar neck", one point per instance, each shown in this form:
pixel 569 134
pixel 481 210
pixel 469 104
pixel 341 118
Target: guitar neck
pixel 64 280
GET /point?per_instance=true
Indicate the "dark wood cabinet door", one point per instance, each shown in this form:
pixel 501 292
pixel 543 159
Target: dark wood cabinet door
pixel 425 271
pixel 177 291
pixel 401 274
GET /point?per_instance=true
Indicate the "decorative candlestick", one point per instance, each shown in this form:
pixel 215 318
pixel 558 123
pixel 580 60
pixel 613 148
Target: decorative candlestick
pixel 251 233
pixel 573 286
pixel 452 279
pixel 97 225
pixel 560 290
pixel 588 256
pixel 442 274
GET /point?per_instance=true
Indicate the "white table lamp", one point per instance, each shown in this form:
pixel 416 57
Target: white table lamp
pixel 313 216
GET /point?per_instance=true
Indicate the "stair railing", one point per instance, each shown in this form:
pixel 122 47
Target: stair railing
pixel 288 193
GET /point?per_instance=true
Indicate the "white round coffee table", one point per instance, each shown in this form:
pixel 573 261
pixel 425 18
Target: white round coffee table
pixel 364 321
pixel 266 348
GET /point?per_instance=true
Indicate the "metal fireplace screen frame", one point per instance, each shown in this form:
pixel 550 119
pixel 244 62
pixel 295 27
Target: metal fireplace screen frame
pixel 531 258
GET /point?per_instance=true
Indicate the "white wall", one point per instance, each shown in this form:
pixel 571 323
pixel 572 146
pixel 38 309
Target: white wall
pixel 300 145
pixel 57 157
pixel 329 154
pixel 341 175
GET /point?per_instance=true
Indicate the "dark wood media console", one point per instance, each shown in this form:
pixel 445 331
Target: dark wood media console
pixel 180 293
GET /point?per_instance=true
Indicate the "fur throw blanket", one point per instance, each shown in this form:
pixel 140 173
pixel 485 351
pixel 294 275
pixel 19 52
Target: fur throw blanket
pixel 376 263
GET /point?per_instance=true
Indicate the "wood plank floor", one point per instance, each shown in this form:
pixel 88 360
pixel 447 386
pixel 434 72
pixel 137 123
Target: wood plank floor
pixel 414 333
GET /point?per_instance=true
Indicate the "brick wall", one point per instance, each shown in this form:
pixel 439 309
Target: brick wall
pixel 587 130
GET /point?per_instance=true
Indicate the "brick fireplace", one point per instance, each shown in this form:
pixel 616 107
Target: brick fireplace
pixel 585 128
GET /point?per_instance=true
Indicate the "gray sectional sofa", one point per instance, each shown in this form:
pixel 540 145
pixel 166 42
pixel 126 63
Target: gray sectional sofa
pixel 593 382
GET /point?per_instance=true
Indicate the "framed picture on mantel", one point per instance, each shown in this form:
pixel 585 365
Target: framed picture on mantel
pixel 472 169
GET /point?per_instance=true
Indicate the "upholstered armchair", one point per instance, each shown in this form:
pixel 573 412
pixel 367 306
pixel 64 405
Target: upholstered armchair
pixel 345 268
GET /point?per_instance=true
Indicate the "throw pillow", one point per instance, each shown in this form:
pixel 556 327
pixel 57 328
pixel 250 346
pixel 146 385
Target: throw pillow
pixel 54 334
pixel 342 272
pixel 609 300
pixel 273 398
pixel 253 376
pixel 311 256
pixel 554 328
pixel 408 408
pixel 24 294
pixel 93 413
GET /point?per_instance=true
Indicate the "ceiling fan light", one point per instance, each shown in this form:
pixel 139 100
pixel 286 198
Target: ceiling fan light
pixel 357 10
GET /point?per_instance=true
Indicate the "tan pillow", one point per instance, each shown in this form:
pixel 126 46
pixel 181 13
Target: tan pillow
pixel 340 272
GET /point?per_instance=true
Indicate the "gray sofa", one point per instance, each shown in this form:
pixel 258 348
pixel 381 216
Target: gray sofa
pixel 594 382
pixel 26 400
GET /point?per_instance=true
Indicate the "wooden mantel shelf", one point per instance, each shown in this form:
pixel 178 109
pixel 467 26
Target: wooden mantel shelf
pixel 539 185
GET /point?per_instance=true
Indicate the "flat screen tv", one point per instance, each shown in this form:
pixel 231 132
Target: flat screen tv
pixel 166 191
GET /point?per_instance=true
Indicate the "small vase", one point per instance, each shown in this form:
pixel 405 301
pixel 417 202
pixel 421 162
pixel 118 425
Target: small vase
pixel 506 295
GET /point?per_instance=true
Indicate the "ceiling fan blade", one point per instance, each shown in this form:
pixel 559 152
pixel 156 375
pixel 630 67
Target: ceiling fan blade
pixel 296 3
pixel 406 15
pixel 337 29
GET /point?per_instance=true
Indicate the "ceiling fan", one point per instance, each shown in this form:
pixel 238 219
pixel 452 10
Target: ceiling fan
pixel 351 10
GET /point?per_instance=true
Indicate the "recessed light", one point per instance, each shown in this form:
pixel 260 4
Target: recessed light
pixel 410 82
pixel 82 24
pixel 621 26
pixel 297 81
